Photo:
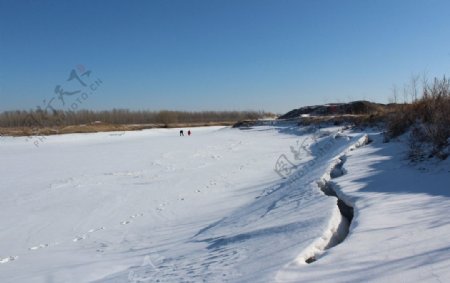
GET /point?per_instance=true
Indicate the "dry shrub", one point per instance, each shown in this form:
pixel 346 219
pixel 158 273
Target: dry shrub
pixel 399 120
pixel 430 116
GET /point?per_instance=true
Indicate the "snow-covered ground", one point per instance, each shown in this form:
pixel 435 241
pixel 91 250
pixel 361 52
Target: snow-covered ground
pixel 401 228
pixel 151 206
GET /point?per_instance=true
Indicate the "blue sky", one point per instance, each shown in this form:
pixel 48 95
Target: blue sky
pixel 219 55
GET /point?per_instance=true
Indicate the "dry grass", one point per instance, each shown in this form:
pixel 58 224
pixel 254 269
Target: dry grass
pixel 98 127
pixel 428 119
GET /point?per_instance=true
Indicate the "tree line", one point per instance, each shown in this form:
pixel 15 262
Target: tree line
pixel 40 118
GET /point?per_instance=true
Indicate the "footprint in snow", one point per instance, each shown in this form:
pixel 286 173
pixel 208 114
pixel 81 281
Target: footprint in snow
pixel 41 246
pixel 8 259
pixel 83 237
pixel 101 247
pixel 96 229
pixel 137 215
pixel 80 238
pixel 125 222
pixel 161 206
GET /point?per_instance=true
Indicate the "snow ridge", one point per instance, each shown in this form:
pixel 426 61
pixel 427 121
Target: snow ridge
pixel 338 227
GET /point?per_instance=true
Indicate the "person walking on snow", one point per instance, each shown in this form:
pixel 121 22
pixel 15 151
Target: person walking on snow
pixel 189 132
pixel 181 133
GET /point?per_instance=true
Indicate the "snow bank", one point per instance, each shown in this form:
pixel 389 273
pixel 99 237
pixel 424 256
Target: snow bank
pixel 399 233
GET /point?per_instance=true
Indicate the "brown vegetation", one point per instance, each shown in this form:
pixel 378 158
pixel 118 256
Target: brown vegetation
pixel 333 109
pixel 27 123
pixel 363 120
pixel 97 127
pixel 428 118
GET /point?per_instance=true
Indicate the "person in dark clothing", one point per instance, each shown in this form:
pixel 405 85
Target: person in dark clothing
pixel 189 132
pixel 181 133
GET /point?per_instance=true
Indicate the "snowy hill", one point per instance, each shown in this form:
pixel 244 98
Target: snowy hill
pixel 354 107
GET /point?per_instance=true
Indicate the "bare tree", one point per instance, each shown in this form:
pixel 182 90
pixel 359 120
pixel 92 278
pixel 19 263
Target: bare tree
pixel 394 98
pixel 405 93
pixel 414 82
pixel 59 118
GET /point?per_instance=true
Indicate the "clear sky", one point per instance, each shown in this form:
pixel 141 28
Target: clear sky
pixel 219 55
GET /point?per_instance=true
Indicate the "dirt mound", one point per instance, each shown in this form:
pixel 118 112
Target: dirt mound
pixel 355 108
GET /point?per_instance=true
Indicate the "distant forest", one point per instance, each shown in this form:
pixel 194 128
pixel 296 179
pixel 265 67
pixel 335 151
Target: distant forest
pixel 41 119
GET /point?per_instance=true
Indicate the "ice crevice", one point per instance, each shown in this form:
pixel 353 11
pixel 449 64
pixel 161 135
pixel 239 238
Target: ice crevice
pixel 338 227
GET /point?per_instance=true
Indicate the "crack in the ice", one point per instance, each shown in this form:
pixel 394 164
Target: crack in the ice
pixel 347 212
